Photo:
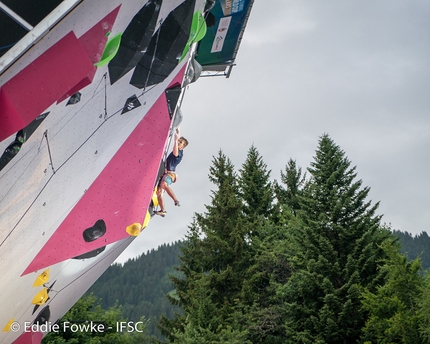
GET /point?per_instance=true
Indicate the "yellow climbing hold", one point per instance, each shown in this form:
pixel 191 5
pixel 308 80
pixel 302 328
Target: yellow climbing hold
pixel 146 221
pixel 41 279
pixel 41 297
pixel 8 325
pixel 134 229
pixel 154 198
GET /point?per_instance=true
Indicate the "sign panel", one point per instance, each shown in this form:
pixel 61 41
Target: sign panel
pixel 232 6
pixel 221 41
pixel 218 42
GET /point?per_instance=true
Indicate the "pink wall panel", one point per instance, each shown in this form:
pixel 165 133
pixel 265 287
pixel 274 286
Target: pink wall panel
pixel 81 84
pixel 10 120
pixel 29 337
pixel 93 42
pixel 41 83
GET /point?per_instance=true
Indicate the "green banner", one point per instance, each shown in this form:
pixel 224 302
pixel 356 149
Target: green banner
pixel 220 43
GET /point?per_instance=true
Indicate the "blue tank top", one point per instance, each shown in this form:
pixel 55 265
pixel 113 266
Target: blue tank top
pixel 173 161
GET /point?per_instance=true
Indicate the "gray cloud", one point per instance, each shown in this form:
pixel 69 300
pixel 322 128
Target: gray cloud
pixel 356 70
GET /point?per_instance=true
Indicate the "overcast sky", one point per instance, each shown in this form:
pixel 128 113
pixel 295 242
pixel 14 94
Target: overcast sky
pixel 357 70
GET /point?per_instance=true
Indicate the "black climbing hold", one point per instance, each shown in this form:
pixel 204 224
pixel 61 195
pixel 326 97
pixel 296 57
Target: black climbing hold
pixel 74 99
pixel 165 48
pixel 95 232
pixel 134 41
pixel 172 97
pixel 91 254
pixel 43 317
pixel 130 104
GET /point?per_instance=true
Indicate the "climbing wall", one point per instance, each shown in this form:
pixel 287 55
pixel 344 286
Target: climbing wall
pixel 83 135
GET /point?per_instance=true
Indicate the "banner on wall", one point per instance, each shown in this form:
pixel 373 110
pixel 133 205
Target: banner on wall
pixel 219 47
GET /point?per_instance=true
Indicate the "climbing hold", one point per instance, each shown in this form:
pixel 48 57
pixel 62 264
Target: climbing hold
pixel 110 51
pixel 134 229
pixel 41 297
pixel 41 279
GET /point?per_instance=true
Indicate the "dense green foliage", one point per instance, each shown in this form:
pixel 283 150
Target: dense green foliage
pixel 334 242
pixel 415 246
pixel 255 189
pixel 393 307
pixel 286 269
pixel 214 261
pixel 88 311
pixel 140 285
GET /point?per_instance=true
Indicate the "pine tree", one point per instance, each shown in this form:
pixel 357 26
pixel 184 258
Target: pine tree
pixel 293 182
pixel 334 249
pixel 256 189
pixel 215 258
pixel 269 269
pixel 264 316
pixel 394 312
pixel 424 310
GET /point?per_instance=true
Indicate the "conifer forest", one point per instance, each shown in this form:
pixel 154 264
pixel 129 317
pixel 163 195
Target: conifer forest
pixel 304 259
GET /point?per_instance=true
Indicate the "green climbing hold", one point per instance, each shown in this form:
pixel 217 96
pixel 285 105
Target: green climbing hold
pixel 111 49
pixel 198 31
